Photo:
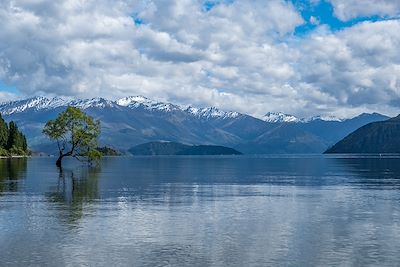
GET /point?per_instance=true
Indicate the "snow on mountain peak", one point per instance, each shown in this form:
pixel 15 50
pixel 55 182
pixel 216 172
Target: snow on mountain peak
pixel 141 101
pixel 131 100
pixel 279 117
pixel 97 102
pixel 211 112
pixel 35 103
pixel 40 103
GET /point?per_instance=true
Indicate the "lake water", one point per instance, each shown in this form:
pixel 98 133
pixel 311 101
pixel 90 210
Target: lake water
pixel 201 211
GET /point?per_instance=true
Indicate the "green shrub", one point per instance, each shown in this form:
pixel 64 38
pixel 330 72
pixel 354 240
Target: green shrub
pixel 3 152
pixel 17 151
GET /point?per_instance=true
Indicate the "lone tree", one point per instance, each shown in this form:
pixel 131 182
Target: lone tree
pixel 76 134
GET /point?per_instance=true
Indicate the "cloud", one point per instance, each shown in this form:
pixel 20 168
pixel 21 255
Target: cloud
pixel 6 96
pixel 350 9
pixel 314 20
pixel 237 55
pixel 357 66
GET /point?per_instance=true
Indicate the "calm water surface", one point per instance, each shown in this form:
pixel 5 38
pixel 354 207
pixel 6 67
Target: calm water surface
pixel 201 211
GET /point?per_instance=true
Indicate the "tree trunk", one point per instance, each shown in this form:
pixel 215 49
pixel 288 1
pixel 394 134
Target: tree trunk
pixel 58 162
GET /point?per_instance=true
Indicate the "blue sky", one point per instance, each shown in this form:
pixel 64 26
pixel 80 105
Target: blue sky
pixel 323 11
pixel 7 88
pixel 304 57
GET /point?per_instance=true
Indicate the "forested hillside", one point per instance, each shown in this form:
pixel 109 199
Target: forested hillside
pixel 377 137
pixel 12 140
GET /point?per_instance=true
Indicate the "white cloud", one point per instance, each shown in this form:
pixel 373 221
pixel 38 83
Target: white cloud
pixel 241 55
pixel 357 66
pixel 351 9
pixel 314 20
pixel 7 96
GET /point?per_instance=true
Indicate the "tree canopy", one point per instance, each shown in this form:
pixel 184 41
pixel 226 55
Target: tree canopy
pixel 12 140
pixel 3 133
pixel 76 134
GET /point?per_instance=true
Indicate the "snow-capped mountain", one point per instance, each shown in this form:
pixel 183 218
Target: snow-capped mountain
pixel 275 117
pixel 92 103
pixel 279 117
pixel 134 120
pixel 36 103
pixel 43 103
pixel 211 112
pixel 132 102
pixel 141 101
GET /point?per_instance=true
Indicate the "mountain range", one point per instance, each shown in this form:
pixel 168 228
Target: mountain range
pixel 131 121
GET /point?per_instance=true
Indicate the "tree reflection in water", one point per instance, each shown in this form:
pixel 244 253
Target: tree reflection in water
pixel 11 171
pixel 74 193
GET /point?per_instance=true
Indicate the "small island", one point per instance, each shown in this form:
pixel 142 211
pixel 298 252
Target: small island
pixel 108 151
pixel 174 148
pixel 12 141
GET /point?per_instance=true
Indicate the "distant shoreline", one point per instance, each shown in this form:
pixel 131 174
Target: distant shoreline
pixel 13 157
